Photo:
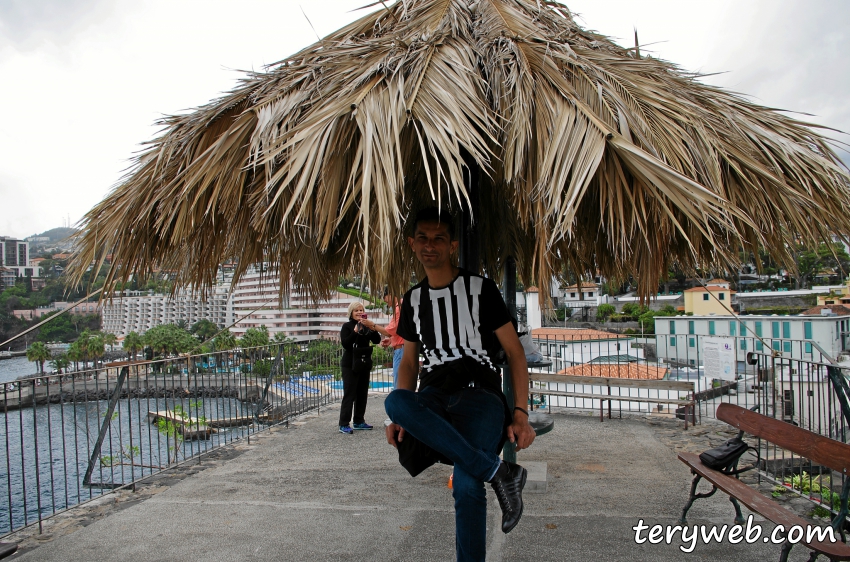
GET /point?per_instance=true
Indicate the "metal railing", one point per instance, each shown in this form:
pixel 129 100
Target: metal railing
pixel 795 381
pixel 71 437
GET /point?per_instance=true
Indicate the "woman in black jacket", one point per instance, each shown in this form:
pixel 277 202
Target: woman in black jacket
pixel 356 364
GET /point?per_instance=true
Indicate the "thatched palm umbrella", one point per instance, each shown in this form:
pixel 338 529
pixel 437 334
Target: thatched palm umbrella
pixel 579 152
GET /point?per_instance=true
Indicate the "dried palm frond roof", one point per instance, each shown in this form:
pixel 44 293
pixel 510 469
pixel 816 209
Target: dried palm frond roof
pixel 585 153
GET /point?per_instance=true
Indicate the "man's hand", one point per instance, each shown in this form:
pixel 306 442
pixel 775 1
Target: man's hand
pixel 395 434
pixel 520 432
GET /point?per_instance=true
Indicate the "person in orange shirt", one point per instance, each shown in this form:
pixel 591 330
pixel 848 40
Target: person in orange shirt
pixel 394 340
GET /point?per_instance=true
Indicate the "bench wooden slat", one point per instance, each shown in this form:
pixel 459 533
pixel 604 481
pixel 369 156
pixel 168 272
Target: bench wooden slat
pixel 612 397
pixel 817 448
pixel 760 504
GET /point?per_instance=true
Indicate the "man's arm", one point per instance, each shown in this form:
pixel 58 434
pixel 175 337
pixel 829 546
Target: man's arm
pixel 519 432
pixel 408 371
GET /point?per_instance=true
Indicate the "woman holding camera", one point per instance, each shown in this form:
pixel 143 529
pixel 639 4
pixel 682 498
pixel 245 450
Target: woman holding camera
pixel 356 363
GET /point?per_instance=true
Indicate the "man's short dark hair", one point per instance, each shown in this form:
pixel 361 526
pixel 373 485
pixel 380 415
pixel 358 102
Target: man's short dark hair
pixel 433 214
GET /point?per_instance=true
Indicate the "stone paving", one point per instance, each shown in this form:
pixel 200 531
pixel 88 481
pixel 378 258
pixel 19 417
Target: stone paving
pixel 306 478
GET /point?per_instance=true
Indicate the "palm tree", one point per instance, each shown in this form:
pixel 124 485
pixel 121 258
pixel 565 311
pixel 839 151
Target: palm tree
pixel 76 354
pixel 59 363
pixel 109 339
pixel 133 343
pixel 224 341
pixel 95 347
pixel 38 353
pixel 563 146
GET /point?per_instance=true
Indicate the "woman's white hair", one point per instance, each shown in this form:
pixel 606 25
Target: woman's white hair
pixel 354 305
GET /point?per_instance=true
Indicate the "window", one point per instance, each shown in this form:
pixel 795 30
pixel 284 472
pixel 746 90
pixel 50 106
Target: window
pixel 672 327
pixel 743 329
pixel 693 362
pixel 691 327
pixel 711 327
pixel 775 329
pixel 722 296
pixel 776 345
pixel 808 348
pixel 589 294
pixel 692 342
pixel 807 330
pixel 758 329
pixel 732 325
pixel 743 345
pixel 786 347
pixel 705 297
pixel 786 330
pixel 673 340
pixel 572 295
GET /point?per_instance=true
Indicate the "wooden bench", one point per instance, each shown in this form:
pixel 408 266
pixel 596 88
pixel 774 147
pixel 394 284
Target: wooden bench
pixel 817 448
pixel 607 384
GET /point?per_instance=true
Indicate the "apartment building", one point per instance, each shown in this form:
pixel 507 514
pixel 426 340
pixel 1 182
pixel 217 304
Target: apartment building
pixel 679 338
pixel 255 302
pixel 252 303
pixel 82 309
pixel 139 311
pixel 15 260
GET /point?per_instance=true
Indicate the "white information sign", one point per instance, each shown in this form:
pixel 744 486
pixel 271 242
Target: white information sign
pixel 719 359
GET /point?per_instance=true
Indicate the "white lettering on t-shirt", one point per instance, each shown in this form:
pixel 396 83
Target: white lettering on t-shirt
pixel 468 316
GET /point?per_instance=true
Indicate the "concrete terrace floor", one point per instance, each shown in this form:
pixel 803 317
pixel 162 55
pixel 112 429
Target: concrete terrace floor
pixel 308 492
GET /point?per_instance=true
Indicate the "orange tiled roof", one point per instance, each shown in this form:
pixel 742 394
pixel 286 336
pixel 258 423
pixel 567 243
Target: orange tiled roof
pixel 617 371
pixel 709 288
pixel 587 285
pixel 532 289
pixel 568 334
pixel 837 309
pixel 716 281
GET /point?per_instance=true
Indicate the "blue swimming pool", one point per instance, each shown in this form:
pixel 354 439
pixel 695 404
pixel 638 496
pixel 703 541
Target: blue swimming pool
pixel 373 385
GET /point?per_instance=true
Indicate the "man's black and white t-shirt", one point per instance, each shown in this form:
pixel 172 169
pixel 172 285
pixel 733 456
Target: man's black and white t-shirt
pixel 453 322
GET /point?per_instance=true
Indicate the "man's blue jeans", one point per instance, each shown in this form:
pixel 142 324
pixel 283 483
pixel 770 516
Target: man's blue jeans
pixel 397 354
pixel 466 427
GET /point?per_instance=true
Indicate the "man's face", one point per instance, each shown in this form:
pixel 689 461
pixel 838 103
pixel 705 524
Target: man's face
pixel 432 244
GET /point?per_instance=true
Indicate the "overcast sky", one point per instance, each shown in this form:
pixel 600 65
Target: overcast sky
pixel 83 81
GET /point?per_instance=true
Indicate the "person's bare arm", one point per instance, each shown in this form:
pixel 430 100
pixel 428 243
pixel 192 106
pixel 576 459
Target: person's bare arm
pixel 408 371
pixel 377 327
pixel 519 432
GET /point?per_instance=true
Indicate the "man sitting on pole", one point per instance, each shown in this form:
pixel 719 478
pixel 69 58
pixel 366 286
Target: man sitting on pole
pixel 459 413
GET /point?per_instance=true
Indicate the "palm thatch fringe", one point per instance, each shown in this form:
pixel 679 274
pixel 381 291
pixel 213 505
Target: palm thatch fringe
pixel 589 155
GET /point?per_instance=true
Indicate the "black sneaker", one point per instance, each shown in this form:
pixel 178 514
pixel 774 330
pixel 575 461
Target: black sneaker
pixel 508 484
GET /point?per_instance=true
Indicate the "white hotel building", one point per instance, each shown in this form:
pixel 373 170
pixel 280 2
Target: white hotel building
pixel 252 303
pixel 256 298
pixel 139 311
pixel 679 338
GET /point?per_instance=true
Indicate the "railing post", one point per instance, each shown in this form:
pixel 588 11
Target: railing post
pixel 113 401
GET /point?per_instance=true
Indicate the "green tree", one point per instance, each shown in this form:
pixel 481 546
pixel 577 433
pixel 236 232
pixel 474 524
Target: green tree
pixel 224 341
pixel 95 347
pixel 60 363
pixel 167 339
pixel 38 353
pixel 255 337
pixel 133 343
pixel 604 311
pixel 109 339
pixel 76 353
pixel 281 337
pixel 810 262
pixel 204 329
